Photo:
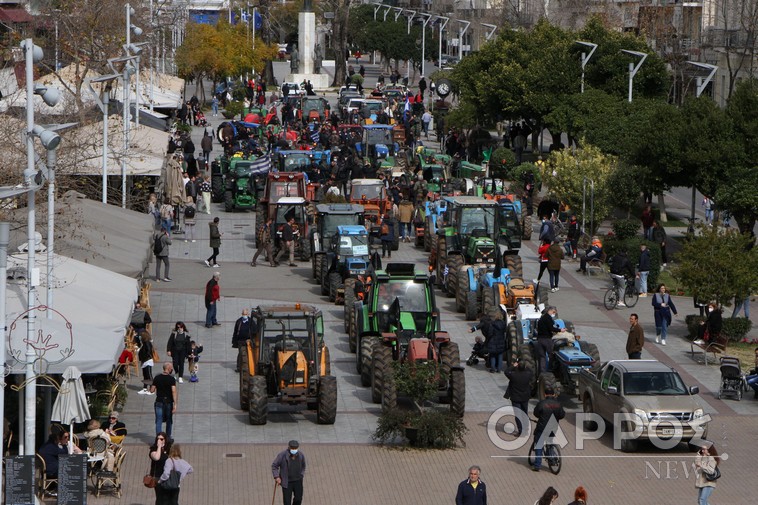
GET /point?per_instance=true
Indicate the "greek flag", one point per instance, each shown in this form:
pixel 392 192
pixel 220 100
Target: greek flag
pixel 261 165
pixel 245 16
pixel 315 136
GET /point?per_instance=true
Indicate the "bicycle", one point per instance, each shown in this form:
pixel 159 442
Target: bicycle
pixel 551 453
pixel 631 295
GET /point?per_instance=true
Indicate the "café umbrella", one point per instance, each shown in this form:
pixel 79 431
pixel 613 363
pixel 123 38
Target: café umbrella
pixel 71 404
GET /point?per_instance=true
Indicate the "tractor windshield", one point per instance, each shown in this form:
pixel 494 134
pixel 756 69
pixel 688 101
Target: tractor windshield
pixel 412 296
pixel 476 218
pixel 285 334
pixel 332 221
pixel 295 163
pixel 282 189
pixel 378 136
pixel 369 191
pixel 285 211
pixel 354 245
pixel 316 104
pixel 509 219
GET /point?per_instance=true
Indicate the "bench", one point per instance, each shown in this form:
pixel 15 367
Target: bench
pixel 714 347
pixel 597 265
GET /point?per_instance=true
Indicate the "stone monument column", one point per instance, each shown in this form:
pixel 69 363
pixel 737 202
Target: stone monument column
pixel 306 37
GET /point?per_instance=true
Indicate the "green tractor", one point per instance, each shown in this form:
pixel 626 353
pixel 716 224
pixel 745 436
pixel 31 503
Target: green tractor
pixel 328 217
pixel 234 180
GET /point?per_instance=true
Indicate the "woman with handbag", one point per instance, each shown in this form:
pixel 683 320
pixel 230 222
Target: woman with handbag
pixel 174 472
pixel 706 472
pixel 159 452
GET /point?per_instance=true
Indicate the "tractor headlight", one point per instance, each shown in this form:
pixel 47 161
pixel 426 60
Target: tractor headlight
pixel 641 414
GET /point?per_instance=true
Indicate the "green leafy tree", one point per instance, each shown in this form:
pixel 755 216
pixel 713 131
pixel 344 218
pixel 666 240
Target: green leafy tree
pixel 566 173
pixel 718 264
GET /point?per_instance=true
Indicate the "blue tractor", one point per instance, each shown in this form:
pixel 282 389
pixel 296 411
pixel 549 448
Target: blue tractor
pixel 433 212
pixel 348 258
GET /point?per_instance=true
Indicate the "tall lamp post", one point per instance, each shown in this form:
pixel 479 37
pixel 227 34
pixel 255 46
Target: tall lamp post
pixel 127 71
pixel 136 51
pixel 702 83
pixel 493 29
pixel 443 23
pixel 586 57
pixel 634 68
pixel 411 15
pixel 103 104
pixel 424 22
pixel 50 140
pixel 461 32
pixel 137 31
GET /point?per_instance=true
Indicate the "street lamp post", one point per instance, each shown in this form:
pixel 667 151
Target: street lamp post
pixel 103 104
pixel 493 29
pixel 461 32
pixel 634 68
pixel 411 15
pixel 443 23
pixel 424 22
pixel 127 71
pixel 702 83
pixel 586 57
pixel 137 31
pixel 49 140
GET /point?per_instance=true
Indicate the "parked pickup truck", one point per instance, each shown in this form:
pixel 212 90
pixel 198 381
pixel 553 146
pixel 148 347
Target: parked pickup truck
pixel 659 405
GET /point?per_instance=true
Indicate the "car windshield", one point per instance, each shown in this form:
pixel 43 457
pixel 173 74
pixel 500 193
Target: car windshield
pixel 473 218
pixel 354 245
pixel 653 383
pixel 412 296
pixel 370 191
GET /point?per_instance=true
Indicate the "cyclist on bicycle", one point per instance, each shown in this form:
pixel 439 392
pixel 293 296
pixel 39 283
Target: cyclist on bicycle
pixel 548 412
pixel 621 269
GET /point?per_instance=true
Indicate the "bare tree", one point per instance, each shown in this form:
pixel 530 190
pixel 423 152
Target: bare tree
pixel 341 18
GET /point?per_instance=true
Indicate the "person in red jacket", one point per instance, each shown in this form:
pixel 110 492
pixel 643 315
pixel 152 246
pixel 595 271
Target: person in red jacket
pixel 542 253
pixel 212 296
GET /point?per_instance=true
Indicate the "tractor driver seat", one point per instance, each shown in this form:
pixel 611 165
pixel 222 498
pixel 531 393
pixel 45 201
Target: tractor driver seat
pixel 287 344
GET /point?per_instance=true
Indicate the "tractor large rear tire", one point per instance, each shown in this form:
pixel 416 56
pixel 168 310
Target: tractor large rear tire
pixel 244 378
pixel 365 360
pixel 526 232
pixel 472 305
pixel 457 393
pixel 512 343
pixel 450 356
pixel 352 332
pixel 547 380
pixel 381 366
pixel 488 303
pixel 513 263
pixel 228 201
pixel 327 361
pixel 326 412
pixel 427 237
pixel 592 351
pixel 334 282
pixel 389 393
pixel 324 280
pixel 306 250
pixel 463 288
pixel 217 188
pixel 526 356
pixel 454 264
pixel 349 303
pixel 258 411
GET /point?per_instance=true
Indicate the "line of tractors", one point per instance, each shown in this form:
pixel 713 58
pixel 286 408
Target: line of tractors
pixel 473 236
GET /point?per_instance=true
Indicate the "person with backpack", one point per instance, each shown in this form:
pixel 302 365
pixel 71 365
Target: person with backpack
pixel 190 189
pixel 178 348
pixel 167 215
pixel 160 250
pixel 547 230
pixel 387 235
pixel 189 220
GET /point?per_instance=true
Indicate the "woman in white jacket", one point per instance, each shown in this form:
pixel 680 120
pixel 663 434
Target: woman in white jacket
pixel 706 461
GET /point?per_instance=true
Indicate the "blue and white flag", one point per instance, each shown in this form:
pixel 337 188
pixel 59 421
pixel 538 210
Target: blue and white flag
pixel 261 165
pixel 315 136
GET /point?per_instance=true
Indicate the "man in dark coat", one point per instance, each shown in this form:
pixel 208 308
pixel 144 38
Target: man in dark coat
pixel 244 329
pixel 422 86
pixel 546 328
pixel 548 412
pixel 636 339
pixel 520 389
pixel 496 345
pixel 288 470
pixel 472 491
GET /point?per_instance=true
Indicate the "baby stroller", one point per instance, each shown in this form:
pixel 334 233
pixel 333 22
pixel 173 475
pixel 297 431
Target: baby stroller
pixel 200 120
pixel 477 352
pixel 732 379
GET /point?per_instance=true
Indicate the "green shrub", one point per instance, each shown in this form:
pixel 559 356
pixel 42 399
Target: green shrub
pixel 611 245
pixel 233 109
pixel 183 127
pixel 518 173
pixel 430 428
pixel 736 328
pixel 625 229
pixel 502 163
pixel 693 324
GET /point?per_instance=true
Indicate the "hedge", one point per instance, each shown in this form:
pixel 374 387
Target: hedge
pixel 612 245
pixel 734 328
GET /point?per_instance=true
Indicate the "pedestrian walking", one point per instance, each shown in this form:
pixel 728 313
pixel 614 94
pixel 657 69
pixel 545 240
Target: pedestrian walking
pixel 405 213
pixel 288 470
pixel 548 497
pixel 154 209
pixel 520 391
pixel 174 463
pixel 659 237
pixel 145 356
pixel 212 296
pixel 643 269
pixel 205 191
pixel 158 454
pixel 664 309
pixel 708 208
pixel 206 144
pixel 496 344
pixel 554 257
pixel 161 243
pixel 244 329
pixel 189 220
pixel 636 339
pixel 264 244
pixel 214 105
pixel 178 347
pixel 287 242
pixel 580 496
pixel 542 256
pixel 426 120
pixel 215 244
pixel 706 464
pixel 472 491
pixel 741 304
pixel 387 235
pixel 166 399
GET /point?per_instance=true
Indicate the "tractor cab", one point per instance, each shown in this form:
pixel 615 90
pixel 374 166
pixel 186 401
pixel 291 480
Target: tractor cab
pixel 378 141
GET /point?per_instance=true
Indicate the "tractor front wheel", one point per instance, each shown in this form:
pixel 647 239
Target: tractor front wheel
pixel 258 411
pixel 326 411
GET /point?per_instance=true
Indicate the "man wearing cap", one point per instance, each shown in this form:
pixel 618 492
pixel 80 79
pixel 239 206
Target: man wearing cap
pixel 288 470
pixel 548 412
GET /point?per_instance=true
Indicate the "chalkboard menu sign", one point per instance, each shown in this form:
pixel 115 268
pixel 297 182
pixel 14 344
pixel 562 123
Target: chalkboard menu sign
pixel 72 479
pixel 19 480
